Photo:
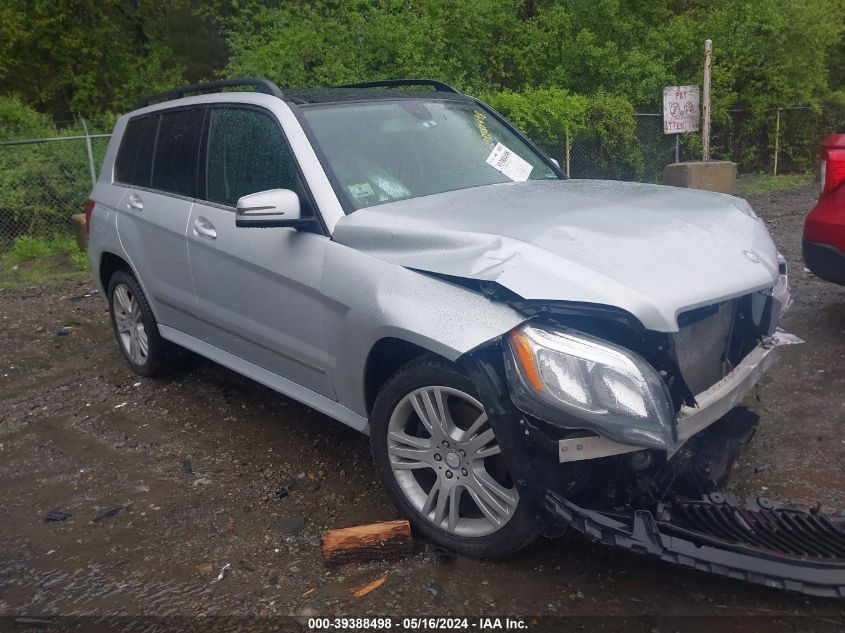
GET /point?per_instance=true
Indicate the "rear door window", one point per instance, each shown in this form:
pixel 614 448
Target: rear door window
pixel 247 153
pixel 134 162
pixel 177 152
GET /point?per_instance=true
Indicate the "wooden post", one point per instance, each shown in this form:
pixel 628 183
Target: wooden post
pixel 91 166
pixel 777 142
pixel 705 109
pixel 568 154
pixel 389 539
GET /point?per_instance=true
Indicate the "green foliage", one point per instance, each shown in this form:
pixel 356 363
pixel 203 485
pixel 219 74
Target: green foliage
pixel 611 129
pixel 766 55
pixel 602 126
pixel 579 65
pixel 18 120
pixel 41 185
pixel 27 247
pixel 766 183
pixel 36 260
pixel 544 114
pixel 88 56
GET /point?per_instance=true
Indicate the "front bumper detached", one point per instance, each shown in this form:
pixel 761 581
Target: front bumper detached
pixel 712 404
pixel 761 542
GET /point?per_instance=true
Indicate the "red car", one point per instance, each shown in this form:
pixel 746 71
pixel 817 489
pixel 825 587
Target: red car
pixel 824 228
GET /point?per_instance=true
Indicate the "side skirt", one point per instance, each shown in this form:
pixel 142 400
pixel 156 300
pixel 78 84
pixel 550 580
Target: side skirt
pixel 268 379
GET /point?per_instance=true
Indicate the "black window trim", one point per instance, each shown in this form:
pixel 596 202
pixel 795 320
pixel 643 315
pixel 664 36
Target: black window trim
pixel 155 149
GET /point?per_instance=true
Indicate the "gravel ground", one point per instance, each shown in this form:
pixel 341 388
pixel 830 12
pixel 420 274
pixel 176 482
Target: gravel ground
pixel 169 481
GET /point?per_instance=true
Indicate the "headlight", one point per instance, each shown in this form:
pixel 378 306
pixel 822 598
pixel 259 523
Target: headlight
pixel 575 380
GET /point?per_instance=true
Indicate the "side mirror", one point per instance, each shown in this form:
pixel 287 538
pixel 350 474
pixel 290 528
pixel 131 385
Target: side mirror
pixel 554 160
pixel 272 208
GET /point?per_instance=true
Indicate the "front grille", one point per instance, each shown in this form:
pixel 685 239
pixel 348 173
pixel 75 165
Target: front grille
pixel 761 524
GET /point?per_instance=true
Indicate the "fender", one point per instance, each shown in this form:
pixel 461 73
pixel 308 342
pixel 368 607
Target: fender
pixel 368 299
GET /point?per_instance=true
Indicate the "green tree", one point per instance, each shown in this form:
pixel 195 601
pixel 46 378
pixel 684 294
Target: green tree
pixel 70 57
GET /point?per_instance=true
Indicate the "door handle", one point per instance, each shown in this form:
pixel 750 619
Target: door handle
pixel 135 203
pixel 204 228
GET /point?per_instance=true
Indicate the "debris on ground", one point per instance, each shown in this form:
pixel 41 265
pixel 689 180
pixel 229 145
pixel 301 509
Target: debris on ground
pixel 362 590
pixel 222 573
pixel 205 568
pixel 187 466
pixel 282 492
pixel 389 539
pixel 785 338
pixel 107 514
pixel 57 514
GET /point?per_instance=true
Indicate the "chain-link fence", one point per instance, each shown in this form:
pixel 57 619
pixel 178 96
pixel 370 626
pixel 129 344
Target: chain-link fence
pixel 45 180
pixel 642 157
pixel 776 141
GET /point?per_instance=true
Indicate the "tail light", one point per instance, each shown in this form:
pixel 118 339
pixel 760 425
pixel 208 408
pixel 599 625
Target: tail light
pixel 833 162
pixel 89 207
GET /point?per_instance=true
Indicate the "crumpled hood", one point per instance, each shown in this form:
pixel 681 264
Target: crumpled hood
pixel 654 251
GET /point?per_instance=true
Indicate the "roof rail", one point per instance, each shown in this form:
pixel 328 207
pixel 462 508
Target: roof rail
pixel 438 86
pixel 264 86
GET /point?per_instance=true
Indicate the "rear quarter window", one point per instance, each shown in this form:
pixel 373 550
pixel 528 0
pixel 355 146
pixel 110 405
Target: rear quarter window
pixel 134 162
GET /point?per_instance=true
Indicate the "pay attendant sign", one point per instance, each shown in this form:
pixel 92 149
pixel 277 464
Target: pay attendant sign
pixel 681 112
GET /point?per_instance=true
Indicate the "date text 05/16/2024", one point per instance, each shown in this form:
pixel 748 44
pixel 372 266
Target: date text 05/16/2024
pixel 418 624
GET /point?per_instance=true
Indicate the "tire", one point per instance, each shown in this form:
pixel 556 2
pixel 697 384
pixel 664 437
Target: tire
pixel 445 472
pixel 136 330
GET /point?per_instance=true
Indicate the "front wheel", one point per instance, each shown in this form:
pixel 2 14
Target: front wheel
pixel 437 454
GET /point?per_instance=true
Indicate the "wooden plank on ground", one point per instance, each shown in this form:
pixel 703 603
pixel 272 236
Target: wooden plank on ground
pixel 389 539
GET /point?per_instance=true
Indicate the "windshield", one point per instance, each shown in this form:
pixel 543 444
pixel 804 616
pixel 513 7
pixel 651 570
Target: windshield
pixel 384 151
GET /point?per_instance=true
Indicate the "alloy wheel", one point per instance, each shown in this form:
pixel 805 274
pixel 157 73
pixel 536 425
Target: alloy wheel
pixel 445 458
pixel 129 322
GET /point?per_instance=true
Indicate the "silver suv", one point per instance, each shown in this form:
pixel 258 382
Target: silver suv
pixel 397 256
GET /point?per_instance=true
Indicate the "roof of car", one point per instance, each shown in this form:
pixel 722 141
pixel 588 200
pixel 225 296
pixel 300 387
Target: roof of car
pixel 366 91
pixel 338 95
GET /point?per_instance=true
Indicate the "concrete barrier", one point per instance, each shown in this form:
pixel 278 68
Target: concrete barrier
pixel 712 175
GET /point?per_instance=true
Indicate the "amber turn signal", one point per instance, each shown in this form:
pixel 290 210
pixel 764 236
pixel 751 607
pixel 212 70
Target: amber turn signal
pixel 525 357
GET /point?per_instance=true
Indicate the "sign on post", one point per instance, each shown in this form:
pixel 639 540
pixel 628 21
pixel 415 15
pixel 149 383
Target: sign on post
pixel 681 109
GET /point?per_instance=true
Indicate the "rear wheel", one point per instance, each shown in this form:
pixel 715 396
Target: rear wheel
pixel 136 330
pixel 439 459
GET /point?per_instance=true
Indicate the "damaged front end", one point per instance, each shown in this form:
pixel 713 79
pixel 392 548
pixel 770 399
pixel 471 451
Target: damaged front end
pixel 644 428
pixel 597 383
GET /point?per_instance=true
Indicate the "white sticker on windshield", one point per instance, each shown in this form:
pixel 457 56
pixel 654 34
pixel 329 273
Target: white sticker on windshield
pixel 362 190
pixel 511 165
